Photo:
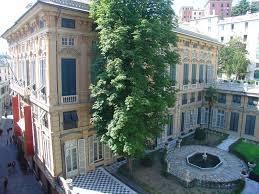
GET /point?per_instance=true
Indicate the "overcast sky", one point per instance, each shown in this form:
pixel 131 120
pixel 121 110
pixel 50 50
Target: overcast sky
pixel 10 10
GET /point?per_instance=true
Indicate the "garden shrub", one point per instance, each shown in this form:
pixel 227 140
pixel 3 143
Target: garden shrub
pixel 200 134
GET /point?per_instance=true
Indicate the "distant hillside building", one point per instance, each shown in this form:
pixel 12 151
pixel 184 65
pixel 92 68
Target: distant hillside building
pixel 226 29
pixel 219 7
pixel 186 13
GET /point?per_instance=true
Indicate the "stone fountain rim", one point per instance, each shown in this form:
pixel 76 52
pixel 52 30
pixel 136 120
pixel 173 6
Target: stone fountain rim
pixel 210 168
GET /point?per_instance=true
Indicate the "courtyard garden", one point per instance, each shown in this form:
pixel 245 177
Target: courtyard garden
pixel 248 152
pixel 150 174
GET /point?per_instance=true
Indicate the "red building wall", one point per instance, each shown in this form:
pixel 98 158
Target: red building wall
pixel 28 131
pixel 16 115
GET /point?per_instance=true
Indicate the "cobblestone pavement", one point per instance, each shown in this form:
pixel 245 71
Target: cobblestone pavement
pixel 99 181
pixel 228 171
pixel 17 182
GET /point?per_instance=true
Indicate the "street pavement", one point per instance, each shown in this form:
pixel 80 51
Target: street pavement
pixel 18 183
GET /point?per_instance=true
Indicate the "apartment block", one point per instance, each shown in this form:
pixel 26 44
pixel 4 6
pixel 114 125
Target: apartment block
pixel 221 8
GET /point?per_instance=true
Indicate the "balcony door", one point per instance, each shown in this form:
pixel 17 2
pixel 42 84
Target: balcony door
pixel 68 69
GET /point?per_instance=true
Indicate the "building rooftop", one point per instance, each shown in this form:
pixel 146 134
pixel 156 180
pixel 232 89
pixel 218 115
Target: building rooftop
pixel 236 19
pixel 77 5
pixel 71 4
pixel 198 35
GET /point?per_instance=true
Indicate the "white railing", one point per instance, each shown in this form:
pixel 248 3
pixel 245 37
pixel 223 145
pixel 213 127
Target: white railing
pixel 234 86
pixel 69 99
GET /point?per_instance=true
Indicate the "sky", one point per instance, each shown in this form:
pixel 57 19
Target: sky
pixel 11 10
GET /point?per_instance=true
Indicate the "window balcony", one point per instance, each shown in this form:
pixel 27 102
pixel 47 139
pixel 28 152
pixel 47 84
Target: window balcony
pixel 73 99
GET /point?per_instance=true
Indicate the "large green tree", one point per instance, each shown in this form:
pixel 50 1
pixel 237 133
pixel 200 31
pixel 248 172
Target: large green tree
pixel 133 89
pixel 243 7
pixel 233 59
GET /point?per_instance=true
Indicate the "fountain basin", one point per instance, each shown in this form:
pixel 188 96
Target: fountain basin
pixel 203 160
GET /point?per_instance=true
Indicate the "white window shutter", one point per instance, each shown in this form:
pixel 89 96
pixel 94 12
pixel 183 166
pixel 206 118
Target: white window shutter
pixel 91 149
pixel 214 117
pixel 202 115
pixel 81 156
pixel 195 117
pixel 225 119
pixel 187 120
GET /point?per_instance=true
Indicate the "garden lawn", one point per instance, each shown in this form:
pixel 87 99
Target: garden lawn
pixel 248 152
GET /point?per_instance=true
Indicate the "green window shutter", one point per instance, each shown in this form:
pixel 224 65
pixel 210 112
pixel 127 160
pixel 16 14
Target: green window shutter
pixel 194 70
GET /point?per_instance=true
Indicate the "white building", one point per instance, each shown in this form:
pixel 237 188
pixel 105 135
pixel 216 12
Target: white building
pixel 4 89
pixel 245 27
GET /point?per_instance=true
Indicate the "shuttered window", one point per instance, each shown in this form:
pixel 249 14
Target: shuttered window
pixel 194 69
pixel 234 119
pixel 250 124
pixel 68 67
pixel 186 74
pixel 70 120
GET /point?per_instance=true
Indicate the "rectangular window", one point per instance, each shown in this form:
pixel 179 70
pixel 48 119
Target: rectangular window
pixel 222 39
pixel 250 124
pixel 221 119
pixel 192 97
pixel 256 74
pixel 201 78
pixel 246 25
pixel 173 74
pixel 170 125
pixel 222 98
pixel 43 71
pixel 245 38
pixel 234 119
pixel 184 99
pixel 68 69
pixel 98 149
pixel 194 69
pixel 68 41
pixel 236 99
pixel 41 24
pixel 199 96
pixel 252 101
pixel 187 43
pixel 232 26
pixel 68 23
pixel 186 74
pixel 70 120
pixel 199 116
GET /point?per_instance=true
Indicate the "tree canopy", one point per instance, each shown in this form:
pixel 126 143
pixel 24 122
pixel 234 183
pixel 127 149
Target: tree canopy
pixel 133 88
pixel 243 7
pixel 233 59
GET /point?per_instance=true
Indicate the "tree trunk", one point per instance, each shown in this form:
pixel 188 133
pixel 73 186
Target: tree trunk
pixel 130 166
pixel 209 117
pixel 209 121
